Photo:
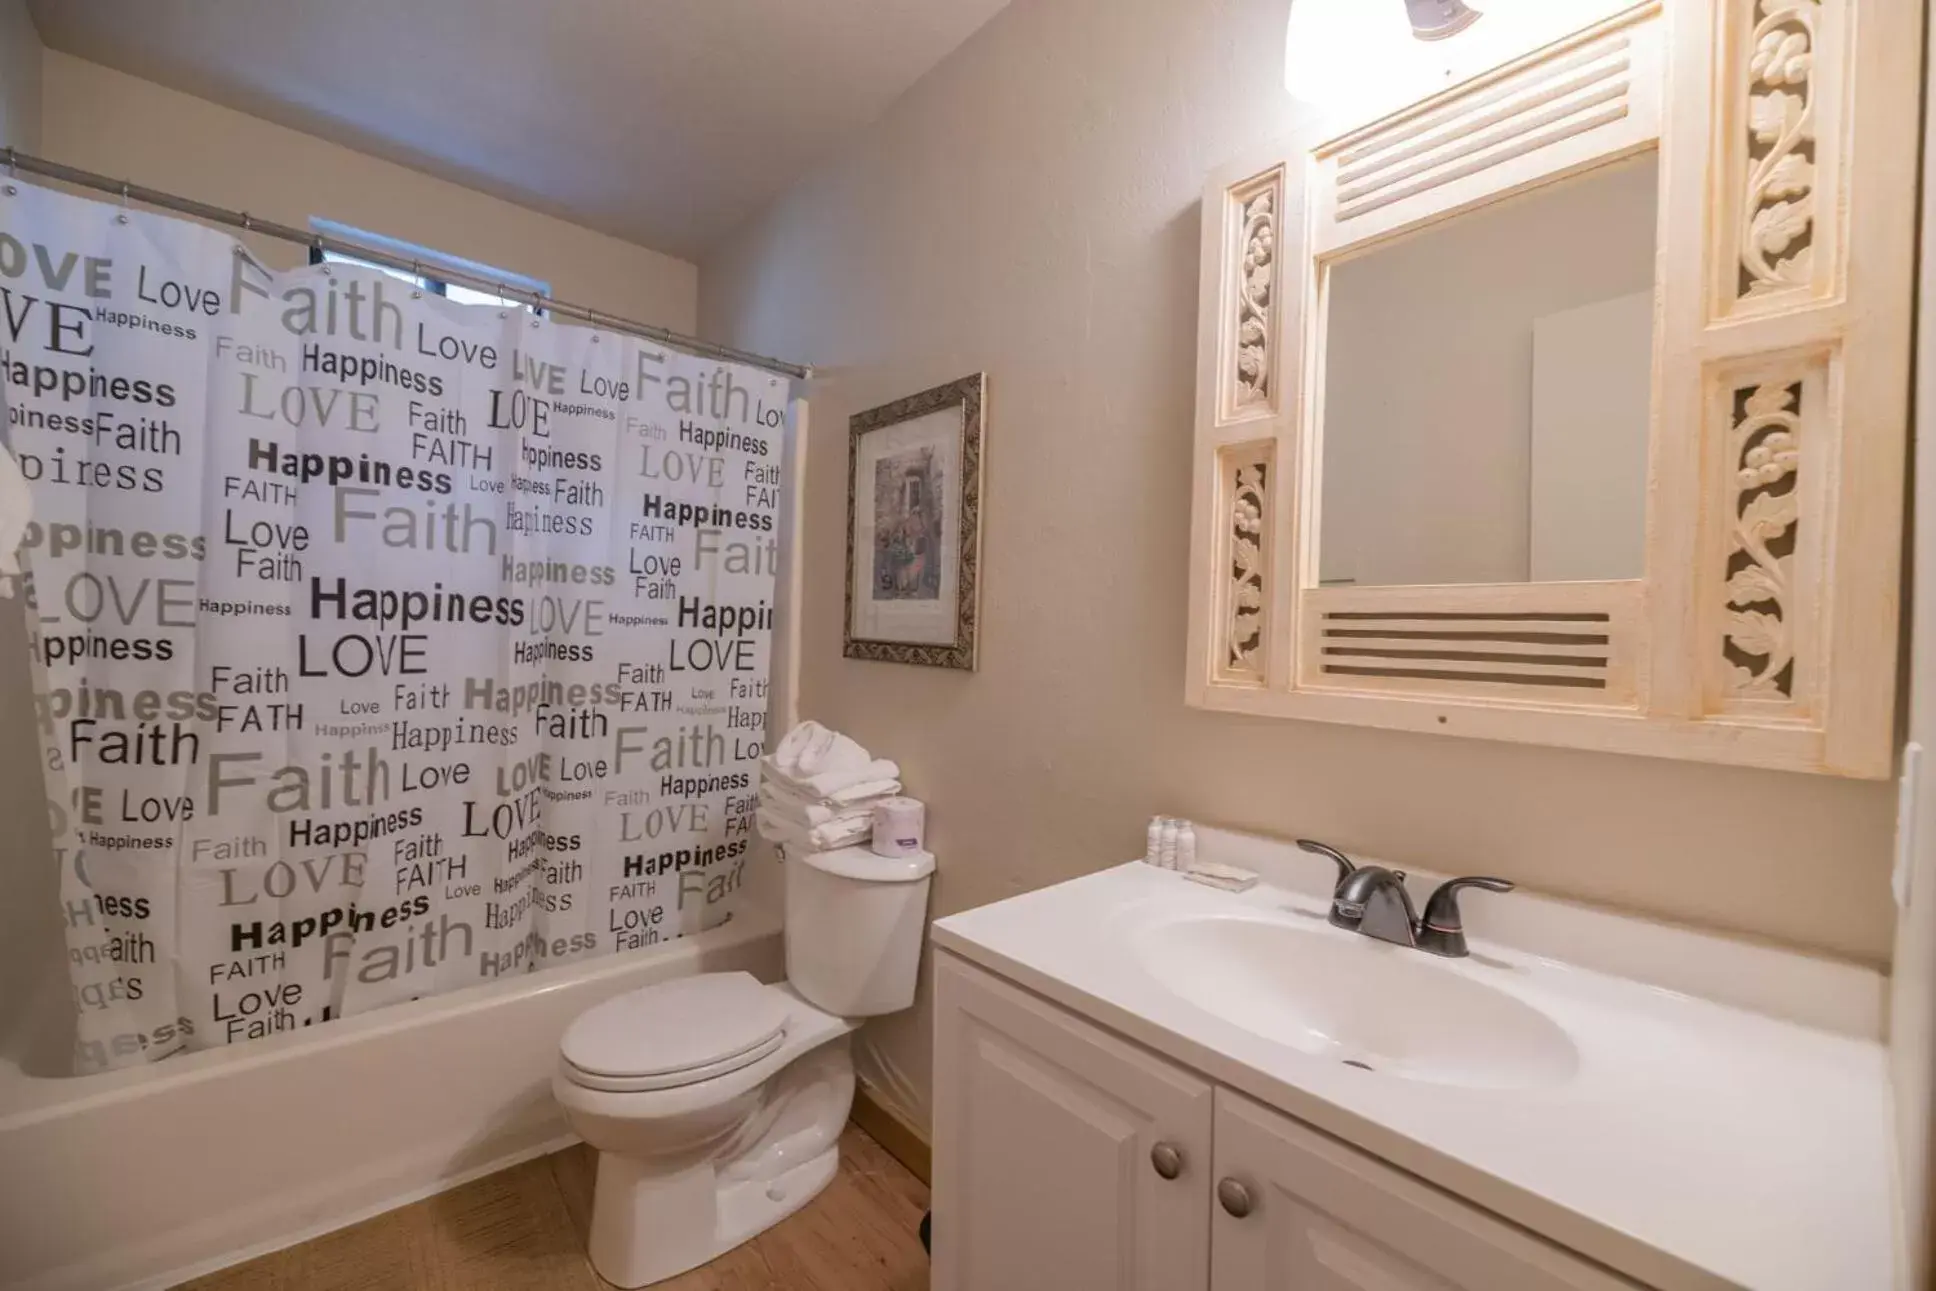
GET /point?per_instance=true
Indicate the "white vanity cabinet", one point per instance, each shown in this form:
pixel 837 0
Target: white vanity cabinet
pixel 1053 1140
pixel 1053 1143
pixel 1321 1216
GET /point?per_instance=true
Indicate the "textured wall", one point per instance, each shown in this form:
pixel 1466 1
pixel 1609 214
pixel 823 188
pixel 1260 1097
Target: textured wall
pixel 1031 208
pixel 30 945
pixel 20 54
pixel 1912 1019
pixel 120 125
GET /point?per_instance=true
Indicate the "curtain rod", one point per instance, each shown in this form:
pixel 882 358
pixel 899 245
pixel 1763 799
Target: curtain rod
pixel 15 160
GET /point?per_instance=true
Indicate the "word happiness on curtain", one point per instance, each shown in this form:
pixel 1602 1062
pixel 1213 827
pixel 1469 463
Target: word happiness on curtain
pixel 381 645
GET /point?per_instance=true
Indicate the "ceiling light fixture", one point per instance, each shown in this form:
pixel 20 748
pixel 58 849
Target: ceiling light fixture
pixel 1354 61
pixel 1439 19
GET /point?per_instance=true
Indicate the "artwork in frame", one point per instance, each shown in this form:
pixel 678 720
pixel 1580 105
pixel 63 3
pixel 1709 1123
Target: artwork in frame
pixel 914 527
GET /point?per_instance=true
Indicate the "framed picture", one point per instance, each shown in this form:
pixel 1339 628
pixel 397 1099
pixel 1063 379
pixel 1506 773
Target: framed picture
pixel 914 527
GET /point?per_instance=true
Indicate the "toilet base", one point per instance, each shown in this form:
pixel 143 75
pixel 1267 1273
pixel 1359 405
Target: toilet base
pixel 648 1227
pixel 748 1209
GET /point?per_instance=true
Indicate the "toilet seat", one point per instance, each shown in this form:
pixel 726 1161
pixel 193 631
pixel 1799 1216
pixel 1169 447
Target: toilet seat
pixel 675 1033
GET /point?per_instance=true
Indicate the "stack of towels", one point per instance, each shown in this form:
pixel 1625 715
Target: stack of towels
pixel 819 788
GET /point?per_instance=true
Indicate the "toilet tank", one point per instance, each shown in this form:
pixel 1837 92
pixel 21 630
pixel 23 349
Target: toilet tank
pixel 854 926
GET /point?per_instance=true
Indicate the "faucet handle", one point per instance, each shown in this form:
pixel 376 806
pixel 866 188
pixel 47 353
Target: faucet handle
pixel 1442 929
pixel 1344 863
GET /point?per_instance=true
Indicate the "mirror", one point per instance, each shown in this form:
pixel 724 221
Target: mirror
pixel 1486 389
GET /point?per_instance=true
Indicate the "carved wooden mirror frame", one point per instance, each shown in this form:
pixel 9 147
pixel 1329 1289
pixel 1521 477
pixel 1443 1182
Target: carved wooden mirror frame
pixel 1764 631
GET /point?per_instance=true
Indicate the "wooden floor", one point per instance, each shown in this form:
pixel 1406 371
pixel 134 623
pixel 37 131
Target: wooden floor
pixel 524 1228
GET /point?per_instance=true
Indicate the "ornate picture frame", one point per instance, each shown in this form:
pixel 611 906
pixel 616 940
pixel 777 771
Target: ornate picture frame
pixel 914 528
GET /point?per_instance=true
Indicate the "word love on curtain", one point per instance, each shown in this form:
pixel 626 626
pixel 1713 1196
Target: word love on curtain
pixel 381 645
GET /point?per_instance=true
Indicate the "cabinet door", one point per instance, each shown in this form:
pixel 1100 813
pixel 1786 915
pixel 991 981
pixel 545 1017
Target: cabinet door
pixel 1046 1138
pixel 1326 1217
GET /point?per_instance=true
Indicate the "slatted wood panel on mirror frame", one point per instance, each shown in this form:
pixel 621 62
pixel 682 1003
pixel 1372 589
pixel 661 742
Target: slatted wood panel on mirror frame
pixel 1549 644
pixel 1764 631
pixel 1598 98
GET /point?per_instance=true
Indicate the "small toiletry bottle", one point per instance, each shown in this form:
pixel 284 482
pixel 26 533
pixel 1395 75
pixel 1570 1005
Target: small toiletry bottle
pixel 1167 853
pixel 1153 852
pixel 1186 846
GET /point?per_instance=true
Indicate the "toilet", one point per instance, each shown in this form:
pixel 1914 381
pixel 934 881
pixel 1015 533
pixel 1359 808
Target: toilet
pixel 716 1102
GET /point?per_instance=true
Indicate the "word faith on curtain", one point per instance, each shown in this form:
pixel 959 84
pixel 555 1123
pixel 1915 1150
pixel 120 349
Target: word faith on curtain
pixel 381 645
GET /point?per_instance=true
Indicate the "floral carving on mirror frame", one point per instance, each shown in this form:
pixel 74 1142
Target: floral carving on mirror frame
pixel 1245 630
pixel 1763 452
pixel 1777 236
pixel 1255 285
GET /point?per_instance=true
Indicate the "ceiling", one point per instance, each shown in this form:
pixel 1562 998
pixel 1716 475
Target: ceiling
pixel 664 122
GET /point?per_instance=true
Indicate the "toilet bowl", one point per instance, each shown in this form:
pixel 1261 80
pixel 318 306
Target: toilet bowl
pixel 716 1102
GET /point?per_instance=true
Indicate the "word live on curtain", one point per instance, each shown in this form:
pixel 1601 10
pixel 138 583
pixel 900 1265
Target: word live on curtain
pixel 381 645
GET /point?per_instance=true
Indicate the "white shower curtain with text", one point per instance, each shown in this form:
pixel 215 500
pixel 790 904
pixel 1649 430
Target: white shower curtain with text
pixel 381 645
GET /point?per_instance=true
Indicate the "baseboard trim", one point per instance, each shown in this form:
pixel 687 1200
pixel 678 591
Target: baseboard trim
pixel 886 1127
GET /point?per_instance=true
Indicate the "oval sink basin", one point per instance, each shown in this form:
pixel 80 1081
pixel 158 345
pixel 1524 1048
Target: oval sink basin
pixel 1387 1009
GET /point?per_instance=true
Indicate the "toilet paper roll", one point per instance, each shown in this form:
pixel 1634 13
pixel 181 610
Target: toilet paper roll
pixel 899 826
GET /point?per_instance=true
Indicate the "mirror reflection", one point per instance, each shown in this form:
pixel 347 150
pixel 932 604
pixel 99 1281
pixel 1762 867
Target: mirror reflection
pixel 1486 390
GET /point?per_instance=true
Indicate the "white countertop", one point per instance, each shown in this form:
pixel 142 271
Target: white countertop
pixel 1698 1147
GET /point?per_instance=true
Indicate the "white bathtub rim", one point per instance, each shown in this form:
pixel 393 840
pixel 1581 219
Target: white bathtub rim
pixel 109 1087
pixel 353 1215
pixel 503 1116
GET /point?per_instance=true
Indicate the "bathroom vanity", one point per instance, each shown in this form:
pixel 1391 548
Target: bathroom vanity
pixel 1141 1082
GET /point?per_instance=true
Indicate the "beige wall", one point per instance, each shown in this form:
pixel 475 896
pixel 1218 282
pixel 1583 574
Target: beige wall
pixel 30 942
pixel 1031 209
pixel 119 125
pixel 1912 1017
pixel 20 55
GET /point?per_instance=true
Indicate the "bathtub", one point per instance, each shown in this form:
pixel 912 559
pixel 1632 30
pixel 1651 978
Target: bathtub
pixel 143 1177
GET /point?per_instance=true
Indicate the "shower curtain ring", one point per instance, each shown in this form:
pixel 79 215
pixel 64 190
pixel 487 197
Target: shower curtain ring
pixel 416 267
pixel 122 218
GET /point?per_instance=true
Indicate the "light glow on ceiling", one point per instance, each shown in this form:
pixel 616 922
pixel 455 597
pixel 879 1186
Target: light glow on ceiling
pixel 1353 61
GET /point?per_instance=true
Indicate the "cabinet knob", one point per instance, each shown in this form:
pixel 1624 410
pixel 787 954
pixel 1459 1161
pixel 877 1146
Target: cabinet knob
pixel 1234 1196
pixel 1167 1160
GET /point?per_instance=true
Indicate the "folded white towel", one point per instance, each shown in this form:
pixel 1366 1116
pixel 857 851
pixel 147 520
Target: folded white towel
pixel 829 783
pixel 837 753
pixel 853 794
pixel 822 838
pixel 813 750
pixel 787 754
pixel 807 815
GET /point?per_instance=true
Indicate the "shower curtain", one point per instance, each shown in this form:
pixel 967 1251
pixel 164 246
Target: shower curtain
pixel 381 645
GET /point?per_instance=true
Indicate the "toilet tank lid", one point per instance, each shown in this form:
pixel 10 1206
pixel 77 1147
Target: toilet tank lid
pixel 675 1025
pixel 862 864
